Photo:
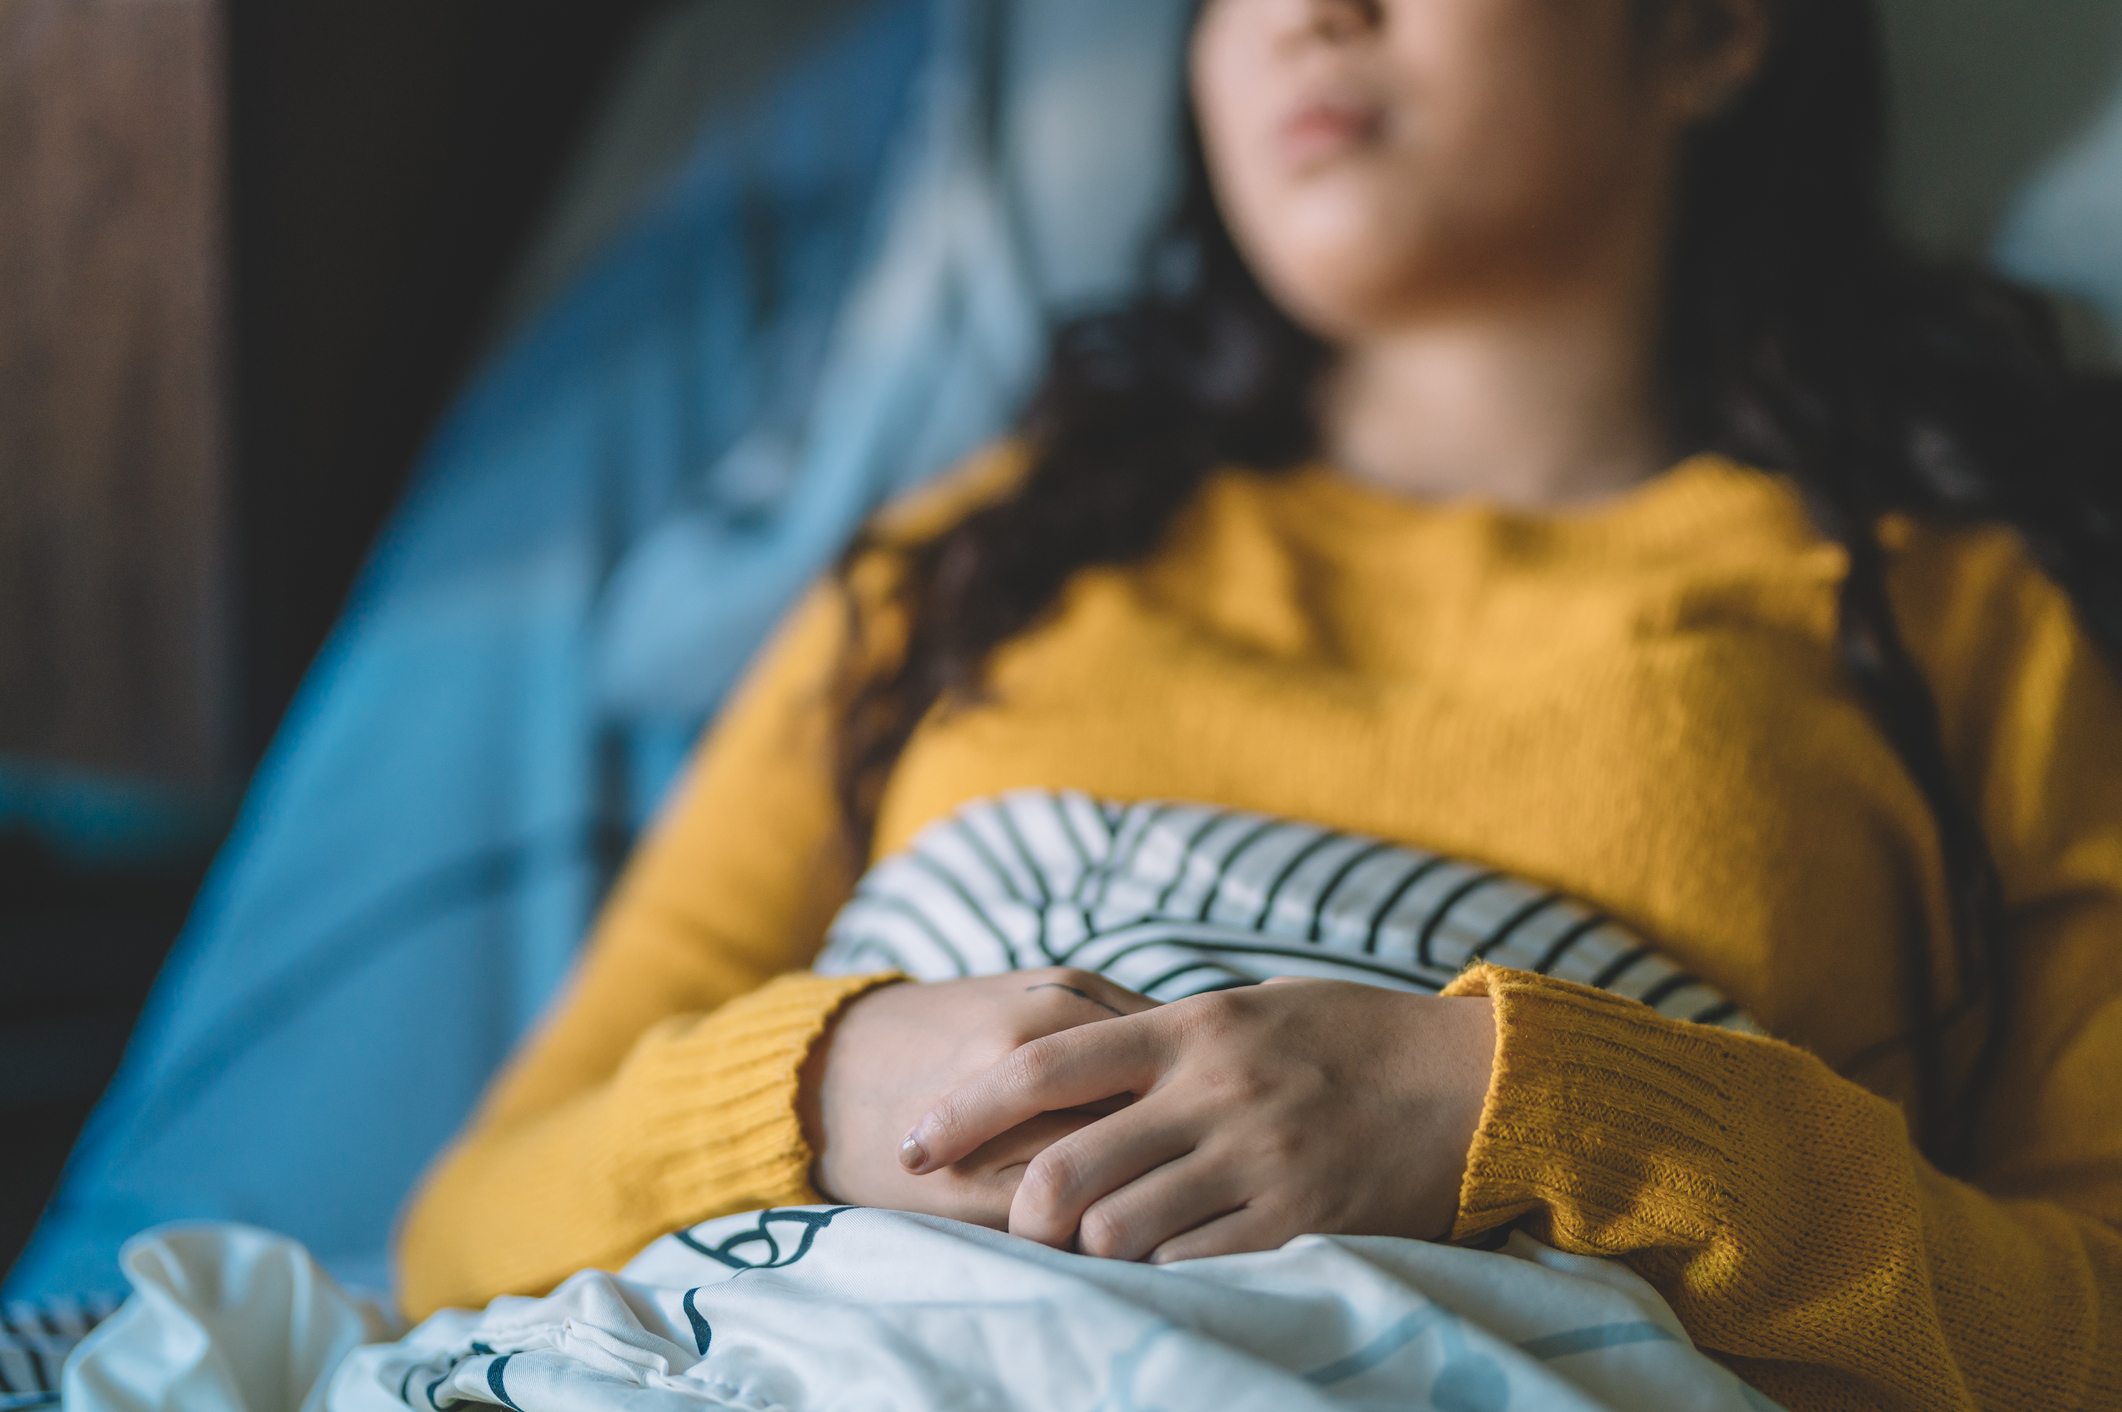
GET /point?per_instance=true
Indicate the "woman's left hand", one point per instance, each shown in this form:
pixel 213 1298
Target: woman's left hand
pixel 1296 1107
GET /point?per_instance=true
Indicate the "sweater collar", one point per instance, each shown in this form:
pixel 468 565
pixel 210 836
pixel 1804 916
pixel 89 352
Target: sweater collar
pixel 1701 500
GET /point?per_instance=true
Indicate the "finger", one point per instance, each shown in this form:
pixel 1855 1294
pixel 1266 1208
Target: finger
pixel 1104 1107
pixel 1063 1181
pixel 977 1190
pixel 1178 1197
pixel 1065 1070
pixel 980 1189
pixel 1009 1154
pixel 1242 1232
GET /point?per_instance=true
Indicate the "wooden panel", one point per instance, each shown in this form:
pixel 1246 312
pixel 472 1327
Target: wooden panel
pixel 112 646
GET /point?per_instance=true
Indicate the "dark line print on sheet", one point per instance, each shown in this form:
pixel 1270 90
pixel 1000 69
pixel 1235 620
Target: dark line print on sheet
pixel 449 1364
pixel 703 1332
pixel 726 1254
pixel 1469 1378
pixel 433 1387
pixel 1565 1345
pixel 810 1223
pixel 500 1388
pixel 1403 1332
pixel 496 1380
pixel 1175 900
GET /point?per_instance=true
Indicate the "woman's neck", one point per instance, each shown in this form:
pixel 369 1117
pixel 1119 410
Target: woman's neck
pixel 1555 403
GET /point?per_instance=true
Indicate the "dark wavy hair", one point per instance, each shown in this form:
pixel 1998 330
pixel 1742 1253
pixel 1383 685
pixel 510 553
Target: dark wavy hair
pixel 1801 338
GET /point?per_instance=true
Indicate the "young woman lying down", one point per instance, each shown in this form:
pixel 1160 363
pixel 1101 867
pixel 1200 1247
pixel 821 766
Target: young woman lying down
pixel 1535 508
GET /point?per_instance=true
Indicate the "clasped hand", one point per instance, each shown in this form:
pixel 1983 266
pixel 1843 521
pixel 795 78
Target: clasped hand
pixel 1061 1107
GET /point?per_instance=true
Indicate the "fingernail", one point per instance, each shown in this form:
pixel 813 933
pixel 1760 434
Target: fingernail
pixel 912 1155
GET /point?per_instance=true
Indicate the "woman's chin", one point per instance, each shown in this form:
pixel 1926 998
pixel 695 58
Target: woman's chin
pixel 1343 302
pixel 1341 278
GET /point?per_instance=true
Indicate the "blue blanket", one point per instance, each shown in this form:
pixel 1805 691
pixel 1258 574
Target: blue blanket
pixel 413 869
pixel 847 288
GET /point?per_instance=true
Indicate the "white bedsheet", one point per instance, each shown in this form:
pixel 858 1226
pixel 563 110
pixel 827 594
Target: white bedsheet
pixel 825 1308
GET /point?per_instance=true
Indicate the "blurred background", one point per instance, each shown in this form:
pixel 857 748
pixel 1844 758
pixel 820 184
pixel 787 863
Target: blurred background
pixel 251 253
pixel 248 250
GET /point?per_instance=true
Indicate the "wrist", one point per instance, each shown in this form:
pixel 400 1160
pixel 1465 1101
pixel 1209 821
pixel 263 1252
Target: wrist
pixel 814 1077
pixel 1476 1053
pixel 1459 1064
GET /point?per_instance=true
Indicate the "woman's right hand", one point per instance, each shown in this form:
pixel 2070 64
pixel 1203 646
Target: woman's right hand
pixel 891 1055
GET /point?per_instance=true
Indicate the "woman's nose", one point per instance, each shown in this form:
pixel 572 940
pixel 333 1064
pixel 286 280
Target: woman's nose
pixel 1335 21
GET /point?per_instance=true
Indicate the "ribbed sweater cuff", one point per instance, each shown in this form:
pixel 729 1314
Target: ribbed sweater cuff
pixel 716 1096
pixel 1602 1121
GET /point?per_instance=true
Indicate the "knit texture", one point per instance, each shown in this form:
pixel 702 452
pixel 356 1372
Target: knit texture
pixel 1773 1205
pixel 1639 705
pixel 698 1122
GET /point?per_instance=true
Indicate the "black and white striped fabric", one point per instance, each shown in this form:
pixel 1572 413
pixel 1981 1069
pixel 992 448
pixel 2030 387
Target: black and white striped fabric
pixel 35 1340
pixel 1172 900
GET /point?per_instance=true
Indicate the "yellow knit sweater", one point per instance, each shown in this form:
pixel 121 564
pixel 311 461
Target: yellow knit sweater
pixel 1639 705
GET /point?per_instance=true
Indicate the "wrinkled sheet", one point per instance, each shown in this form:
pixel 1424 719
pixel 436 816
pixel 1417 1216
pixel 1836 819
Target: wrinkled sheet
pixel 844 1308
pixel 222 1318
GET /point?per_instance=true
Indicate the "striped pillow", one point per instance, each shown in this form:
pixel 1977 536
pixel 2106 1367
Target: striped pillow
pixel 1173 900
pixel 35 1340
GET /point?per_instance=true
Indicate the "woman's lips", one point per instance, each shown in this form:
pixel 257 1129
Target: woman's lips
pixel 1320 131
